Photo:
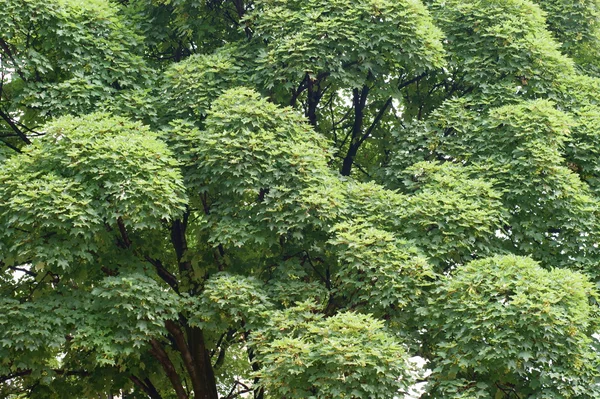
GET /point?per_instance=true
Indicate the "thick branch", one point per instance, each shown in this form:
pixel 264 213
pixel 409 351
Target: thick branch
pixel 376 121
pixel 26 271
pixel 12 376
pixel 222 348
pixel 359 101
pixel 164 274
pixel 314 95
pixel 259 393
pixel 146 386
pixel 186 356
pixel 239 8
pixel 179 241
pixel 387 105
pixel 161 355
pixel 195 364
pixel 312 102
pixel 301 87
pixel 6 47
pixel 123 231
pixel 411 81
pixel 310 262
pixel 14 127
pixel 12 147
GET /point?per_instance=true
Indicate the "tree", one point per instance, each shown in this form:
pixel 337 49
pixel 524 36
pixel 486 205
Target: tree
pixel 296 199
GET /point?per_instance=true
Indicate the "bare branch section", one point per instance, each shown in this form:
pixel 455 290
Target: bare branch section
pixel 358 137
pixel 14 127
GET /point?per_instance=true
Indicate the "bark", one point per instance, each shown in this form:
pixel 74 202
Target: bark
pixel 359 102
pixel 14 127
pixel 146 386
pixel 201 358
pixel 162 356
pixel 312 102
pixel 196 360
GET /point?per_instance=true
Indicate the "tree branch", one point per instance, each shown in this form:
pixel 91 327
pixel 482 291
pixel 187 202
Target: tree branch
pixel 376 121
pixel 146 386
pixel 12 147
pixel 26 271
pixel 359 100
pixel 164 274
pixel 411 81
pixel 6 47
pixel 12 376
pixel 310 262
pixel 123 231
pixel 14 127
pixel 232 394
pixel 186 355
pixel 161 355
pixel 296 93
pixel 179 241
pixel 195 359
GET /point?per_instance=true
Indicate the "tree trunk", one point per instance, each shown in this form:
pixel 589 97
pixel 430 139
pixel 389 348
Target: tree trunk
pixel 201 358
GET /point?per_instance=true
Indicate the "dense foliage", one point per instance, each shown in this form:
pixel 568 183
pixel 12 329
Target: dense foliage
pixel 299 199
